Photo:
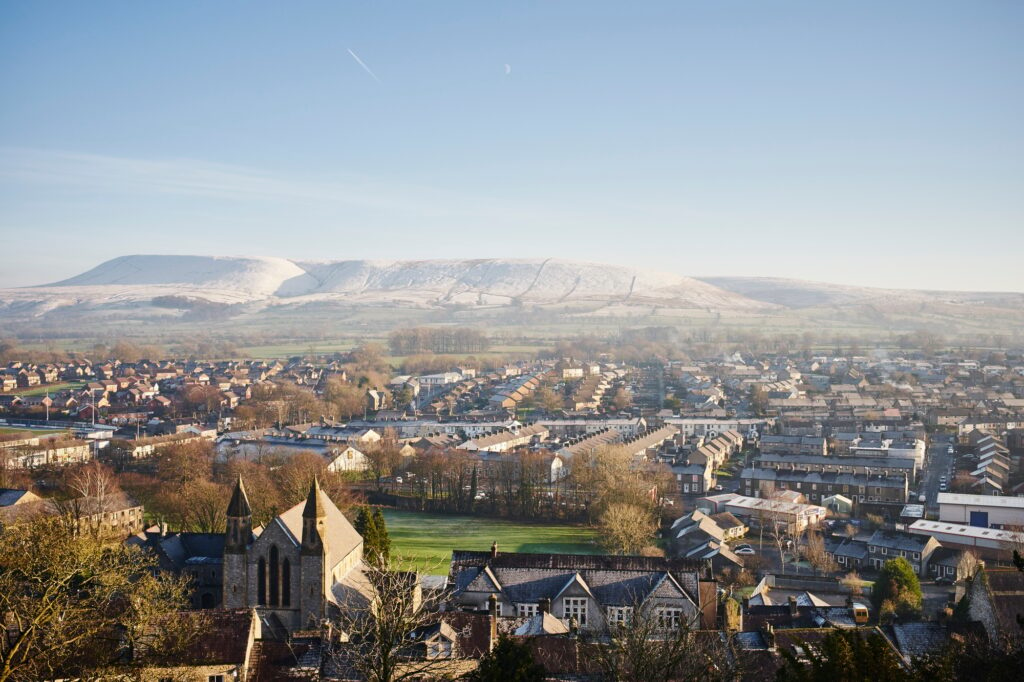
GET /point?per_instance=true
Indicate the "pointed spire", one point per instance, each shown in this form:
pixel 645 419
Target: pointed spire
pixel 239 505
pixel 314 508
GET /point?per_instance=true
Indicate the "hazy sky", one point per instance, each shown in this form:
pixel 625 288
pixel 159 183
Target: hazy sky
pixel 876 143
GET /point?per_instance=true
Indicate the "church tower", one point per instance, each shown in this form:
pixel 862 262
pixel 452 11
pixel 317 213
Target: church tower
pixel 235 578
pixel 315 582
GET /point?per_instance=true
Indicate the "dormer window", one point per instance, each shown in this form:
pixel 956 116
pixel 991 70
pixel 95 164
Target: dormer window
pixel 575 607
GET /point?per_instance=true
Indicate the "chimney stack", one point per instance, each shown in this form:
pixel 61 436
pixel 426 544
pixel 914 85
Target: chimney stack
pixel 494 549
pixel 544 605
pixel 792 606
pixel 492 610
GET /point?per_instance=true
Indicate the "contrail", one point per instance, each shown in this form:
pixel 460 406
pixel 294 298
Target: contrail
pixel 365 67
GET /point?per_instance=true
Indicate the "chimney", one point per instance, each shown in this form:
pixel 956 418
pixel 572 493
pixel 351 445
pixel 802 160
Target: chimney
pixel 792 606
pixel 163 529
pixel 492 609
pixel 494 549
pixel 544 605
pixel 768 633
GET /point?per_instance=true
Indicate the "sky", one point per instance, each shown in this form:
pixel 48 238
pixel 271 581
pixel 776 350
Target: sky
pixel 861 142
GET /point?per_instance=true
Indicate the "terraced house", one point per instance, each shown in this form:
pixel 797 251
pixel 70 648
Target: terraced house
pixel 587 592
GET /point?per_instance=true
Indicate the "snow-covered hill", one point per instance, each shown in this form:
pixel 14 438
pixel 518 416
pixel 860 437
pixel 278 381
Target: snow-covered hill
pixel 427 283
pixel 269 291
pixel 795 293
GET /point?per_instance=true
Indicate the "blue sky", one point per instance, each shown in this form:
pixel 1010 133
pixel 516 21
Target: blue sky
pixel 873 143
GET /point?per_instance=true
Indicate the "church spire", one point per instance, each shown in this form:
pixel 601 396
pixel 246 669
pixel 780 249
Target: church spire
pixel 314 508
pixel 239 505
pixel 314 517
pixel 239 526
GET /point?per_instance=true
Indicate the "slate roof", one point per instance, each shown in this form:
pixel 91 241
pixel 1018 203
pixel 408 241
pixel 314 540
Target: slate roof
pixel 899 541
pixel 612 580
pixel 918 639
pixel 1006 587
pixel 340 537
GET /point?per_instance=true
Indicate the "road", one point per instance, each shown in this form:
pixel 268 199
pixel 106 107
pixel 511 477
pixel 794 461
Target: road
pixel 937 465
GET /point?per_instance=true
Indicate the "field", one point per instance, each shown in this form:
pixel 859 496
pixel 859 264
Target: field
pixel 7 430
pixel 49 388
pixel 427 540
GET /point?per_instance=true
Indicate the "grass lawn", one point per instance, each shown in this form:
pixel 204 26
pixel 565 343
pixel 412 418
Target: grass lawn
pixel 5 430
pixel 427 540
pixel 50 388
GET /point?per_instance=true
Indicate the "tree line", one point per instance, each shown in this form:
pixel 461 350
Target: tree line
pixel 437 340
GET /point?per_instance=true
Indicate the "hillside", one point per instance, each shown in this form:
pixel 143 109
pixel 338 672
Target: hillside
pixel 428 283
pixel 154 293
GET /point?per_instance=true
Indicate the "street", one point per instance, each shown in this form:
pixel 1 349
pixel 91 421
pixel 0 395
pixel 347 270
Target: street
pixel 936 466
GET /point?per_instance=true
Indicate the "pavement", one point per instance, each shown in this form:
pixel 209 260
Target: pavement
pixel 937 465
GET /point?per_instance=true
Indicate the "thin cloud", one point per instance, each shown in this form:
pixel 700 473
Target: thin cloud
pixel 363 64
pixel 125 176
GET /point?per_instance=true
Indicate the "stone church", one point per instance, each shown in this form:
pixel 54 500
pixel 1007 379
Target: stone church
pixel 294 568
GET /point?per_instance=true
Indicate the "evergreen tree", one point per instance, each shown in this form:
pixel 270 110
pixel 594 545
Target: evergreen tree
pixel 509 661
pixel 362 523
pixel 382 538
pixel 897 589
pixel 844 656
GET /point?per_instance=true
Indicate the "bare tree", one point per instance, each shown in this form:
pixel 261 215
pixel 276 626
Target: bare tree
pixel 656 645
pixel 816 555
pixel 383 628
pixel 778 528
pixel 967 566
pixel 93 490
pixel 852 582
pixel 626 528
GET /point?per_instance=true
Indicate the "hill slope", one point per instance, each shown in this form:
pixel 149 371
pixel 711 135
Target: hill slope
pixel 427 283
pixel 366 296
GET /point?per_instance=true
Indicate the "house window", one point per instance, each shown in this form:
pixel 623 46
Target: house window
pixel 619 615
pixel 669 618
pixel 526 610
pixel 215 678
pixel 575 607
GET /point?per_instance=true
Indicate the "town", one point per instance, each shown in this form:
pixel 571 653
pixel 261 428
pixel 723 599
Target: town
pixel 741 506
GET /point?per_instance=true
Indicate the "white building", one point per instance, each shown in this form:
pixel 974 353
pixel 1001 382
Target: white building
pixel 348 459
pixel 982 511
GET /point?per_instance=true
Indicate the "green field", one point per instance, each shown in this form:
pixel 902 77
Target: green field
pixel 426 540
pixel 5 430
pixel 50 388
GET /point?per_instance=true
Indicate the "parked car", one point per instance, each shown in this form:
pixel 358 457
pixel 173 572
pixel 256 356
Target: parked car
pixel 744 550
pixel 944 580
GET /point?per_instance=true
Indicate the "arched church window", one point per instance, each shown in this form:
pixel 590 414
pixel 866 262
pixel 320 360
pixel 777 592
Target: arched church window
pixel 286 582
pixel 261 580
pixel 274 576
